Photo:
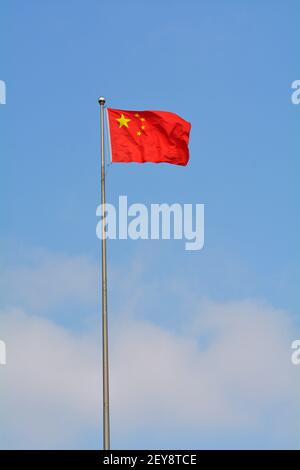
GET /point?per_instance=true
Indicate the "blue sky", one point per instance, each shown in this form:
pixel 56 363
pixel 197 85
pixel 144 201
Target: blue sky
pixel 227 67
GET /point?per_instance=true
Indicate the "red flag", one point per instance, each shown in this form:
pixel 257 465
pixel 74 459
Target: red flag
pixel 148 136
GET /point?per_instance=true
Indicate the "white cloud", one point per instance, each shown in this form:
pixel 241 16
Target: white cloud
pixel 227 372
pixel 241 371
pixel 51 280
pixel 50 385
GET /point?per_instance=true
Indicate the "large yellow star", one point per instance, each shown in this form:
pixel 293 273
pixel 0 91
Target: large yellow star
pixel 123 121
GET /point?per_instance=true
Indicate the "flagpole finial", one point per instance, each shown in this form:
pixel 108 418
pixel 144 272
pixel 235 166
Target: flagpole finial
pixel 101 100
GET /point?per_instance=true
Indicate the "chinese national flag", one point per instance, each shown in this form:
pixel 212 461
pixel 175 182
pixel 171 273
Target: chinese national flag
pixel 148 136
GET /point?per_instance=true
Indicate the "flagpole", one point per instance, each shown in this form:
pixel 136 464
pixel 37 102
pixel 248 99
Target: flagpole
pixel 105 370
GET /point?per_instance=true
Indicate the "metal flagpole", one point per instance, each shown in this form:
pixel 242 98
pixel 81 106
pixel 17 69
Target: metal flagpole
pixel 106 430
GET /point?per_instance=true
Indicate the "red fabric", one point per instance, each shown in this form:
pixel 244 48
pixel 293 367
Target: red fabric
pixel 148 136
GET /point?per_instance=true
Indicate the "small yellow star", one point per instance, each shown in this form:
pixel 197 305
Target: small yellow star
pixel 143 127
pixel 142 119
pixel 123 121
pixel 138 133
pixel 136 115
